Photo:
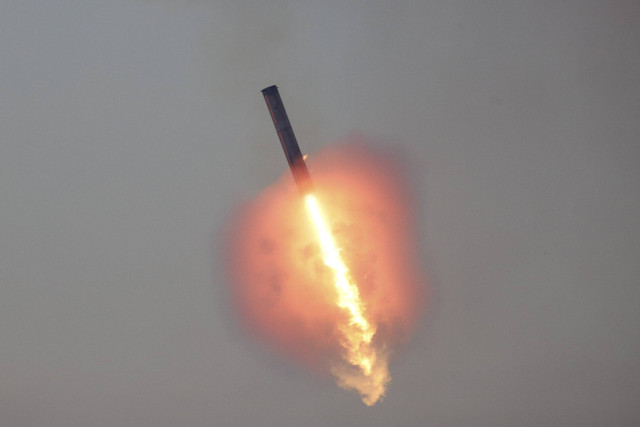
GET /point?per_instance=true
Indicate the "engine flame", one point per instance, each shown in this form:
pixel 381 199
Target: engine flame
pixel 331 280
pixel 358 332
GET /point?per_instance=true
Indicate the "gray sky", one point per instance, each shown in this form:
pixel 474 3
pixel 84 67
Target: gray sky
pixel 131 129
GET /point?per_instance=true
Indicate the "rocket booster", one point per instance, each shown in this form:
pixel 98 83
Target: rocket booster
pixel 288 140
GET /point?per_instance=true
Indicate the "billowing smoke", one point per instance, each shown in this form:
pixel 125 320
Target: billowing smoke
pixel 282 287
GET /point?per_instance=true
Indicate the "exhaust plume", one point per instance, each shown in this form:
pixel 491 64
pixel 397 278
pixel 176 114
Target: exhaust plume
pixel 331 279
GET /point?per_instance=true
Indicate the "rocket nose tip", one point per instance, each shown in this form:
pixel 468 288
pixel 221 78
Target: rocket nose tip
pixel 270 89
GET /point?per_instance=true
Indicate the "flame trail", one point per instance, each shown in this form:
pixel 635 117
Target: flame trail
pixel 358 332
pixel 331 280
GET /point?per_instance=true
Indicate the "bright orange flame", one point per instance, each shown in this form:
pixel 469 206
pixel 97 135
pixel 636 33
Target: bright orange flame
pixel 332 281
pixel 358 332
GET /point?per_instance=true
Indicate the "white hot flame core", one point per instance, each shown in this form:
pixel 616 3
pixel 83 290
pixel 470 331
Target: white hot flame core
pixel 372 373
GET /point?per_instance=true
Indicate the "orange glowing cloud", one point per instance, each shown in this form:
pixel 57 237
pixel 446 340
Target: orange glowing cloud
pixel 286 292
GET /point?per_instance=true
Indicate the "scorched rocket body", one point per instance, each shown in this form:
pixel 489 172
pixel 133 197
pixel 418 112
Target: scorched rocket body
pixel 288 140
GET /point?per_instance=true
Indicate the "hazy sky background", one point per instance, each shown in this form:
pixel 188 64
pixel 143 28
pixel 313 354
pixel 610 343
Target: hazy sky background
pixel 130 130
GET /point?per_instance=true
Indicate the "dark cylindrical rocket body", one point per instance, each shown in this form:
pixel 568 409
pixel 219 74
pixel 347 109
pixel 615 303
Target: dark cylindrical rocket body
pixel 288 139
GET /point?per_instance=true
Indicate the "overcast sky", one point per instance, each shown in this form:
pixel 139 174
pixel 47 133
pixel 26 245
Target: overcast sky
pixel 131 129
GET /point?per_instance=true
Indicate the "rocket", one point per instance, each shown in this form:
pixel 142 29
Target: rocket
pixel 288 140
